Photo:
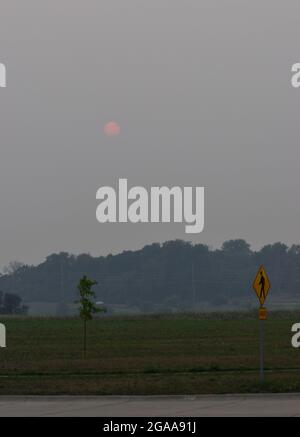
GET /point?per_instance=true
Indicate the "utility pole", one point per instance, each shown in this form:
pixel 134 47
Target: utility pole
pixel 62 288
pixel 193 285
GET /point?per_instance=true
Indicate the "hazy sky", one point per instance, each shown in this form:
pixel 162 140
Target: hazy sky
pixel 201 90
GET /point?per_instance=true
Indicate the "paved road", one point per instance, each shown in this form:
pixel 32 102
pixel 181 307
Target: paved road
pixel 155 406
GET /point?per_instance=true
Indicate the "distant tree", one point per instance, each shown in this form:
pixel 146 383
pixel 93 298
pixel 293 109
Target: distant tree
pixel 87 306
pixel 12 271
pixel 236 247
pixel 11 304
pixel 12 267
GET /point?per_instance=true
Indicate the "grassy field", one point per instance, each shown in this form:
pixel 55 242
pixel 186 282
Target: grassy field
pixel 170 354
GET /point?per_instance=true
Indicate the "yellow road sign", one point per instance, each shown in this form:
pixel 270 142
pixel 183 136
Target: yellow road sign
pixel 261 285
pixel 262 313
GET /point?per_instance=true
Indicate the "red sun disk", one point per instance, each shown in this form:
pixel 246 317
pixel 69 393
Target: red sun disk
pixel 112 129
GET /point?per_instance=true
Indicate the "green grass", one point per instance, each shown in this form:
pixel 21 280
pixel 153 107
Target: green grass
pixel 167 354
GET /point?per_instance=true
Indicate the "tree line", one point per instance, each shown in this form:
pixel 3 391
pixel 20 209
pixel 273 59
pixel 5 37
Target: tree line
pixel 173 274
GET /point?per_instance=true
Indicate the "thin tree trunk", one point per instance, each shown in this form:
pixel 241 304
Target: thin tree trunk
pixel 84 339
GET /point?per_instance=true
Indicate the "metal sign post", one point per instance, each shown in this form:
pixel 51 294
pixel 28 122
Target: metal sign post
pixel 261 349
